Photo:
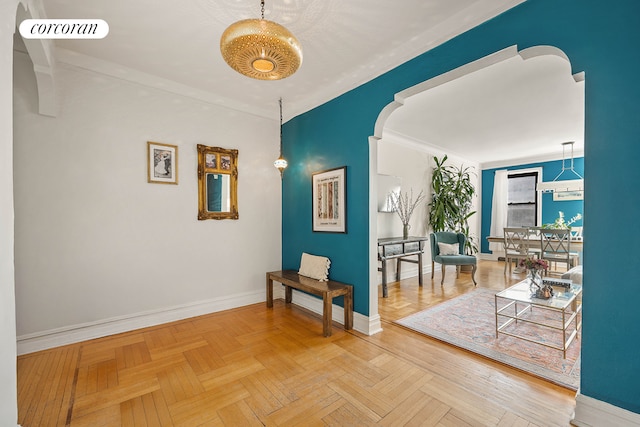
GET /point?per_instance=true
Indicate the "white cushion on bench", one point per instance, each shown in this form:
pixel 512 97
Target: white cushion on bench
pixel 316 267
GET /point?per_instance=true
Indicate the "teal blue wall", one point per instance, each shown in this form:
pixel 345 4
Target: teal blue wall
pixel 550 209
pixel 601 39
pixel 311 143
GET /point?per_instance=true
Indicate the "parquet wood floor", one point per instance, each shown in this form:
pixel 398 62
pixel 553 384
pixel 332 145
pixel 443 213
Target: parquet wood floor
pixel 257 366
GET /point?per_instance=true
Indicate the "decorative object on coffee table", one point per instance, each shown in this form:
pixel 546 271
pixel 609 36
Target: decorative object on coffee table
pixel 535 267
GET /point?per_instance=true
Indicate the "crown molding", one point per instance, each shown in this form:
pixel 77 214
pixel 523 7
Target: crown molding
pixel 478 13
pixel 541 158
pixel 117 71
pixel 392 136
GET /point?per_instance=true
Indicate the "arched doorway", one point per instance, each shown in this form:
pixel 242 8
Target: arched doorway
pixel 521 123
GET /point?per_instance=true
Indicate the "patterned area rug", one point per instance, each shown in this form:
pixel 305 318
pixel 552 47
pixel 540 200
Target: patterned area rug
pixel 468 321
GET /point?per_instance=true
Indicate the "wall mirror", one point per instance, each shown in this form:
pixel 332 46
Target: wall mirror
pixel 217 183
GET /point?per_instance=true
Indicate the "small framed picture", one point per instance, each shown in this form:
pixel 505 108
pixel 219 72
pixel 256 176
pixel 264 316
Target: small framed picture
pixel 210 161
pixel 162 163
pixel 225 162
pixel 329 200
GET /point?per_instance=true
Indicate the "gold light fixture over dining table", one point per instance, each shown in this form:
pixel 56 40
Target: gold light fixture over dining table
pixel 261 49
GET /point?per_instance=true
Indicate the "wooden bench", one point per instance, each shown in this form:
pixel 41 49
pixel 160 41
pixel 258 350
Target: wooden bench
pixel 327 290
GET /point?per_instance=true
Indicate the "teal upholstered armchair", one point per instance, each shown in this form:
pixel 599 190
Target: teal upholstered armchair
pixel 447 248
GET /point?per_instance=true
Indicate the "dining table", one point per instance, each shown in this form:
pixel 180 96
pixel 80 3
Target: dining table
pixel 576 242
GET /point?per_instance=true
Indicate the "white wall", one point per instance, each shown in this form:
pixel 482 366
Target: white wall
pixel 414 167
pixel 414 164
pixel 95 242
pixel 8 382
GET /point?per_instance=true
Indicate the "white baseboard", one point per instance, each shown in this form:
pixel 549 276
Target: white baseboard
pixel 361 323
pixel 487 257
pixel 373 327
pixel 101 328
pixel 86 331
pixel 591 412
pixel 406 272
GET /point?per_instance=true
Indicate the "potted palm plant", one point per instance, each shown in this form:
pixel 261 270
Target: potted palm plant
pixel 452 200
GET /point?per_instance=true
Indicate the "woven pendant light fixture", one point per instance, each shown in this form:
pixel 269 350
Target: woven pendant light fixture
pixel 261 49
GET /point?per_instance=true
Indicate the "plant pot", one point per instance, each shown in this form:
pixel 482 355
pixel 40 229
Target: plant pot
pixel 466 268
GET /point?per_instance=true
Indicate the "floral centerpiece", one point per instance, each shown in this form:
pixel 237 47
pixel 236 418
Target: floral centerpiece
pixel 535 267
pixel 561 223
pixel 404 205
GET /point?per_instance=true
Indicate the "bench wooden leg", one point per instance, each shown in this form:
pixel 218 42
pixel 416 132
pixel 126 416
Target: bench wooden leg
pixel 327 314
pixel 287 294
pixel 269 291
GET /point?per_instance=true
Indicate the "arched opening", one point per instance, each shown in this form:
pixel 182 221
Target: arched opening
pixel 510 129
pixel 38 57
pixel 40 52
pixel 12 12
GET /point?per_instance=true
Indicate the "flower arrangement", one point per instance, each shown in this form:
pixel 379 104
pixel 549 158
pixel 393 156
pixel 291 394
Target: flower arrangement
pixel 404 205
pixel 534 264
pixel 561 223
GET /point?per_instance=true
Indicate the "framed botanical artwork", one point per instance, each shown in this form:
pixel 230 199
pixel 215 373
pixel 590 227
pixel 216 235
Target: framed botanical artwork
pixel 328 190
pixel 162 163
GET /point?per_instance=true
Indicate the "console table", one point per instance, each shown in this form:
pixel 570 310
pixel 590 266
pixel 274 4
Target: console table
pixel 399 248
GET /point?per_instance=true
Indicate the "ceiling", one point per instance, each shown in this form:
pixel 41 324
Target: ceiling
pixel 174 46
pixel 515 108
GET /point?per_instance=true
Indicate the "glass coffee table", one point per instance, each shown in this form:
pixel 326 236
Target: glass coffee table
pixel 562 312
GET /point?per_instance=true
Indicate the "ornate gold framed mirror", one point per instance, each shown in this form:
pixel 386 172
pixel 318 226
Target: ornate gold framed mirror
pixel 217 183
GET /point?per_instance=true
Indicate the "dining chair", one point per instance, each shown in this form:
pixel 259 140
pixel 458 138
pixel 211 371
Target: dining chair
pixel 516 246
pixel 447 248
pixel 534 241
pixel 576 233
pixel 555 245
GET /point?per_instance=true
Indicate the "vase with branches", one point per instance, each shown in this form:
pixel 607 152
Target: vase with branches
pixel 404 204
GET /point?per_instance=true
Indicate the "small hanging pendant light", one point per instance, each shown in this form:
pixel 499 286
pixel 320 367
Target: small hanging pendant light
pixel 261 49
pixel 280 163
